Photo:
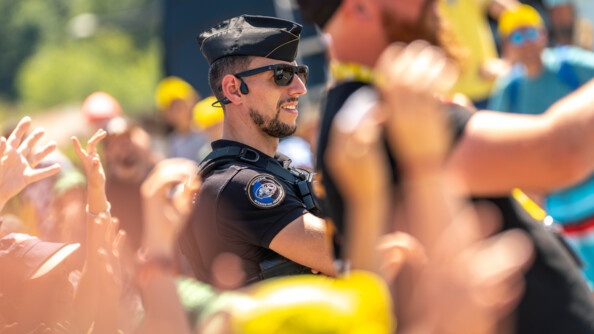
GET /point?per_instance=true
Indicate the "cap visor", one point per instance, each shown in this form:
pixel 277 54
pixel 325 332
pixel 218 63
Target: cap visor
pixel 54 260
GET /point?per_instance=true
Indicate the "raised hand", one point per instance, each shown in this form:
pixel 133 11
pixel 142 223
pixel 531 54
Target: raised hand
pixel 167 194
pixel 100 285
pixel 97 200
pixel 101 282
pixel 410 77
pixel 482 276
pixel 356 149
pixel 18 162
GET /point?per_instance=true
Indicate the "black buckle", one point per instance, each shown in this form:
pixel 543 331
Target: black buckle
pixel 243 155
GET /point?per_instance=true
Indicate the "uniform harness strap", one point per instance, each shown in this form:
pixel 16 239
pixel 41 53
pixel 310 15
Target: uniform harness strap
pixel 299 178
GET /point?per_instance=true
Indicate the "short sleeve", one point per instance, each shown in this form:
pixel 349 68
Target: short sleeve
pixel 254 207
pixel 458 116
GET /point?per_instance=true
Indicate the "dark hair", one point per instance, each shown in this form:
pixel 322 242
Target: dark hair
pixel 223 66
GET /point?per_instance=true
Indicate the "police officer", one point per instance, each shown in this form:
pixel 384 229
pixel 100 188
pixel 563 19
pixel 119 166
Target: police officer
pixel 252 204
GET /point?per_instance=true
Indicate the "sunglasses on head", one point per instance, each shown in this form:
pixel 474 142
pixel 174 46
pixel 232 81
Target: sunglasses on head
pixel 283 73
pixel 521 36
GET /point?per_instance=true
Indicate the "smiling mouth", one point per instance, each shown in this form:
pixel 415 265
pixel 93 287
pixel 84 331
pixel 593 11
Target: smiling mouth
pixel 290 108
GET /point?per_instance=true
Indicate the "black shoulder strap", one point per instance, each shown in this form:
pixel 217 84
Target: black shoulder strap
pixel 298 178
pixel 224 155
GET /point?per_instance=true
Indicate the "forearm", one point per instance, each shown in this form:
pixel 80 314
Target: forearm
pixel 107 316
pixel 85 299
pixel 571 122
pixel 428 204
pixel 366 222
pixel 97 199
pixel 163 310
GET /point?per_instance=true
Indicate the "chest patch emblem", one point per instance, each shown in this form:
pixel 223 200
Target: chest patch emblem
pixel 265 192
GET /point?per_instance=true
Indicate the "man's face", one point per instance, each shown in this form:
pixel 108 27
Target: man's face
pixel 409 20
pixel 525 45
pixel 179 113
pixel 128 155
pixel 273 108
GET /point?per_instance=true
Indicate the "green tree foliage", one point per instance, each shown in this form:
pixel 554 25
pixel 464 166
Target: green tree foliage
pixel 24 24
pixel 43 63
pixel 107 62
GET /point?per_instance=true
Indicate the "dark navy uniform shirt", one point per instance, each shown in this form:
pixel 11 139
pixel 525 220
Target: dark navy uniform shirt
pixel 240 208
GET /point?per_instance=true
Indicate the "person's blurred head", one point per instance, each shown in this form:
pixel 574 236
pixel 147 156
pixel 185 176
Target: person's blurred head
pixel 523 33
pixel 208 118
pixel 100 107
pixel 127 150
pixel 34 280
pixel 371 25
pixel 174 99
pixel 253 68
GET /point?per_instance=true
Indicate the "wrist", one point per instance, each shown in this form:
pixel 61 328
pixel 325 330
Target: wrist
pixel 96 212
pixel 149 266
pixel 157 244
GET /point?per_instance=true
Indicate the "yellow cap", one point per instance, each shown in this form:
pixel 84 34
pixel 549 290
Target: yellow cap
pixel 517 17
pixel 205 114
pixel 355 304
pixel 170 89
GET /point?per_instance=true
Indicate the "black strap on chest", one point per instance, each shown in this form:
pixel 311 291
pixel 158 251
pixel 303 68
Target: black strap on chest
pixel 299 178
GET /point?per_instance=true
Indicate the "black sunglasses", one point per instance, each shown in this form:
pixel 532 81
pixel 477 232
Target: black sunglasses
pixel 283 73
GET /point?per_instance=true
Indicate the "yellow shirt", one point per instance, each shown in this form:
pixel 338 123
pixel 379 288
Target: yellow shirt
pixel 468 20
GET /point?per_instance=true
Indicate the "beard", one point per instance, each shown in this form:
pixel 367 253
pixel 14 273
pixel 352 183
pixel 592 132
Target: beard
pixel 272 126
pixel 428 27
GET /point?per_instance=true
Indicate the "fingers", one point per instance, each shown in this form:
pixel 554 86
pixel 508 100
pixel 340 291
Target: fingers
pixel 27 145
pixel 42 173
pixel 39 156
pixel 112 227
pixel 120 242
pixel 473 224
pixel 95 139
pixel 2 146
pixel 80 152
pixel 166 174
pixel 15 138
pixel 418 65
pixel 398 249
pixel 498 264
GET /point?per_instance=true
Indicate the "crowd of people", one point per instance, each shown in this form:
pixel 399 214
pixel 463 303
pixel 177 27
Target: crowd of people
pixel 446 189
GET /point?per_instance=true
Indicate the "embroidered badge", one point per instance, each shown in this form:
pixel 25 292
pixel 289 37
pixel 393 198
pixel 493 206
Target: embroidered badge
pixel 265 192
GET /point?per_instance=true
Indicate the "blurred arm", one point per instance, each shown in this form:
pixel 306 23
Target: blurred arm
pixel 500 151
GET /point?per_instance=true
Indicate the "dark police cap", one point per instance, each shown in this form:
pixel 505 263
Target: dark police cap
pixel 251 35
pixel 318 12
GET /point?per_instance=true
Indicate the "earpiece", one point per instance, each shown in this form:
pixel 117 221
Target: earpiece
pixel 243 88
